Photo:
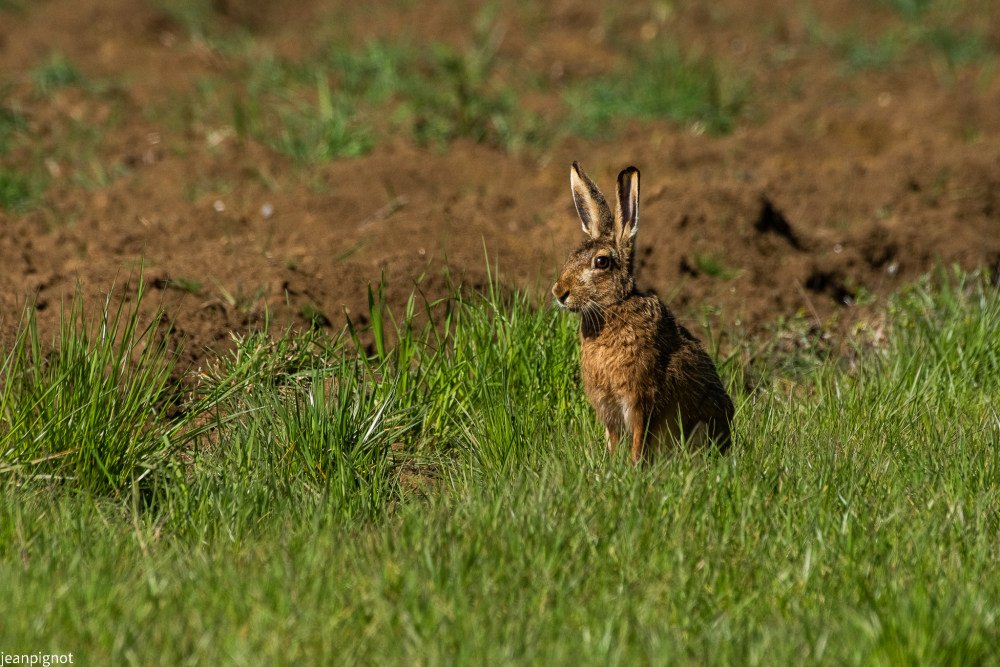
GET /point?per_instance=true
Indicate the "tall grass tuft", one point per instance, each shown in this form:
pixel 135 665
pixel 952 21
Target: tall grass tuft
pixel 87 407
pixel 315 416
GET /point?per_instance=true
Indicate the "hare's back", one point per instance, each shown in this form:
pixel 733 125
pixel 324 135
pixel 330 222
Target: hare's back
pixel 698 389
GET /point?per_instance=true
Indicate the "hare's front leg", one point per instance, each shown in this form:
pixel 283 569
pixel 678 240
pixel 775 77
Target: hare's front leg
pixel 613 437
pixel 637 424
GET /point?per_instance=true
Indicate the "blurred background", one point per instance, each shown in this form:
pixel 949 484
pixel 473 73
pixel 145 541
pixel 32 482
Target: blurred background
pixel 259 159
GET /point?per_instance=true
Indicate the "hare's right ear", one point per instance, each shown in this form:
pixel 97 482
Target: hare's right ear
pixel 590 204
pixel 627 207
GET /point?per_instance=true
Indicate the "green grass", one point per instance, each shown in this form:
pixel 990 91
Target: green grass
pixel 18 191
pixel 55 72
pixel 959 47
pixel 316 421
pixel 300 110
pixel 342 98
pixel 330 130
pixel 663 83
pixel 189 285
pixel 446 498
pixel 950 32
pixel 912 9
pixel 194 16
pixel 714 267
pixel 872 53
pixel 81 148
pixel 75 150
pixel 458 96
pixel 313 315
pixel 65 154
pixel 88 408
pixel 375 71
pixel 335 103
pixel 12 124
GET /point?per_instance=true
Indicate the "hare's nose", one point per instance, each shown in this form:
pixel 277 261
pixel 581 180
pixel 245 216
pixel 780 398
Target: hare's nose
pixel 560 293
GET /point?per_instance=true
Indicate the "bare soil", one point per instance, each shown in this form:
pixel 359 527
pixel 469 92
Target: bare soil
pixel 836 187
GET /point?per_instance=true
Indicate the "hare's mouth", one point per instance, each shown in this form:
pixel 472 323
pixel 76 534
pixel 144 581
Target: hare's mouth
pixel 571 306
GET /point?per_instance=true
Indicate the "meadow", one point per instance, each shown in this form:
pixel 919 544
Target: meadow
pixel 448 499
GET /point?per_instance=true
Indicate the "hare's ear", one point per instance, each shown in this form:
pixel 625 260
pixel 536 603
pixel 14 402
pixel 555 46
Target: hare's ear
pixel 590 204
pixel 627 207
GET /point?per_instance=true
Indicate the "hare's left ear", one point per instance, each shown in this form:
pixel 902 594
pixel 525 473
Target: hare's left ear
pixel 627 207
pixel 590 204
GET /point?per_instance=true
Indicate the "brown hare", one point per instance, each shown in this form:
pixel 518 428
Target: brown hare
pixel 646 375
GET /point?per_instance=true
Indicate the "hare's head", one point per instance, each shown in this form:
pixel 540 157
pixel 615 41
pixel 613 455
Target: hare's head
pixel 599 272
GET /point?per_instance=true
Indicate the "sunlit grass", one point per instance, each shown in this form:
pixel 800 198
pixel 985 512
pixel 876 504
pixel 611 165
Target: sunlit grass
pixel 440 492
pixel 93 408
pixel 85 407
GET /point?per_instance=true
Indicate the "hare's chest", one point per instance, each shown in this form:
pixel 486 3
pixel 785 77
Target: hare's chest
pixel 613 368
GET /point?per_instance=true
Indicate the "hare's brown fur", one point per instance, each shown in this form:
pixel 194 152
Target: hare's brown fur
pixel 648 377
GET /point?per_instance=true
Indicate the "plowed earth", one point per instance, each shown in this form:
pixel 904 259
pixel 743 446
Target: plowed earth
pixel 835 187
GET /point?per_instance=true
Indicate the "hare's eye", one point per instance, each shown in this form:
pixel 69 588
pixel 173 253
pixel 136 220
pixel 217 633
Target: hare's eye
pixel 602 262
